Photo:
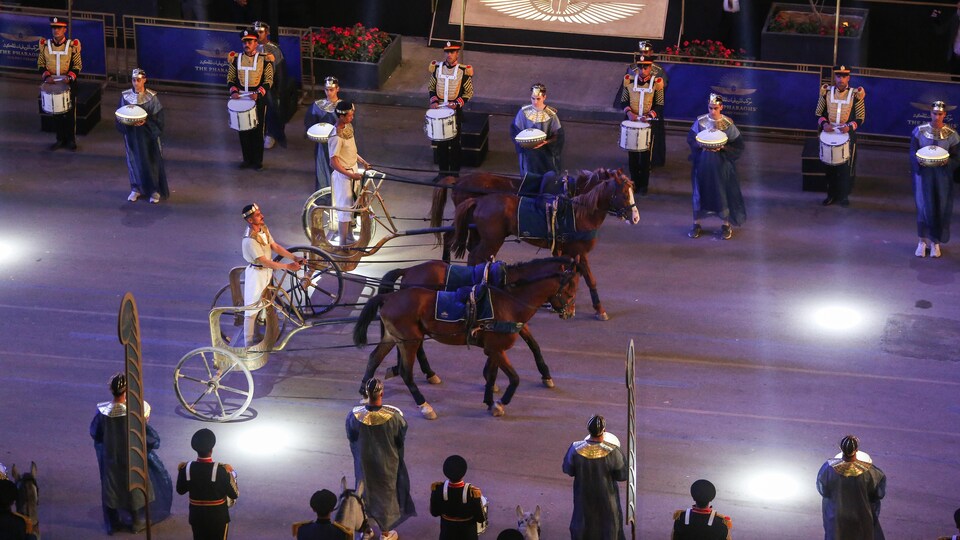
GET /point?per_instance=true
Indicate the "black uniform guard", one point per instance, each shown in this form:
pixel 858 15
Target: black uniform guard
pixel 250 72
pixel 210 486
pixel 451 85
pixel 456 503
pixel 322 502
pixel 701 522
pixel 60 58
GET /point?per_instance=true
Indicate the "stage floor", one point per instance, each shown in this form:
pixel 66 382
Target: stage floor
pixel 736 381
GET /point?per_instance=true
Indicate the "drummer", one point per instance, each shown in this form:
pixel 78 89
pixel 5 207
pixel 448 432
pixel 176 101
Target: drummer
pixel 322 110
pixel 841 110
pixel 142 141
pixel 641 98
pixel 250 73
pixel 258 247
pixel 276 101
pixel 545 156
pixel 933 185
pixel 58 59
pixel 450 86
pixel 658 156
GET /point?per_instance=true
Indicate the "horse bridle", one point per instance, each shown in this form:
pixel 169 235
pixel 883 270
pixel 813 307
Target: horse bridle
pixel 622 211
pixel 567 275
pixel 365 524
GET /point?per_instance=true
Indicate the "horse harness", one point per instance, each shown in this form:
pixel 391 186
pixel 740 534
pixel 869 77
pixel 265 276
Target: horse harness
pixel 365 524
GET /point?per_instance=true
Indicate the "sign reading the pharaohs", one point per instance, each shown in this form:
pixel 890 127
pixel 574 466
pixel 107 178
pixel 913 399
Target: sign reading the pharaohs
pixel 20 41
pixel 616 18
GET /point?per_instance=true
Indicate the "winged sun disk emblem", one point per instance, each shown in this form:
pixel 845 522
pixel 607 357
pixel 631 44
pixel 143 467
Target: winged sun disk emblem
pixel 569 11
pixel 19 37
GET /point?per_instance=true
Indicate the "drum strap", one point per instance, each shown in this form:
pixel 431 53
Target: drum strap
pixel 246 70
pixel 840 102
pixel 466 488
pixel 446 80
pixel 58 54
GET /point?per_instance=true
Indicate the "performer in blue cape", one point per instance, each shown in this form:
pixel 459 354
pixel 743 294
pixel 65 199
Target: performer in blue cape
pixel 142 141
pixel 546 155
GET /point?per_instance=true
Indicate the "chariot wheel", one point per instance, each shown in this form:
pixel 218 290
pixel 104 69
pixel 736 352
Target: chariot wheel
pixel 213 384
pixel 314 289
pixel 318 217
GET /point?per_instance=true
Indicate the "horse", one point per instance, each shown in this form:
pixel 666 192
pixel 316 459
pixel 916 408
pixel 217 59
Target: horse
pixel 495 217
pixel 351 512
pixel 528 523
pixel 478 184
pixel 408 316
pixel 28 495
pixel 433 275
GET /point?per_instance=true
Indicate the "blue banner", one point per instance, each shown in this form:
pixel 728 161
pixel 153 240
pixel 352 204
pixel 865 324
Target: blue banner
pixel 20 37
pixel 201 55
pixel 752 97
pixel 896 106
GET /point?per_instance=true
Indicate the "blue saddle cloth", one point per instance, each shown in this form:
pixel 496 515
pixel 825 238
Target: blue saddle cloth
pixel 465 276
pixel 452 305
pixel 545 217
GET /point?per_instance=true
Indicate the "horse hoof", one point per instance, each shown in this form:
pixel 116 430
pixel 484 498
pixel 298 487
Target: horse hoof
pixel 602 316
pixel 497 409
pixel 548 382
pixel 427 411
pixel 434 379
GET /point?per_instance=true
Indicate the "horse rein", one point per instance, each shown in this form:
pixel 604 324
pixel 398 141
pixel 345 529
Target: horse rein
pixel 365 524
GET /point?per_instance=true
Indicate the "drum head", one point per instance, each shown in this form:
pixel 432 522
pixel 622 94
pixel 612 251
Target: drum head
pixel 531 134
pixel 241 105
pixel 320 132
pixel 56 87
pixel 635 125
pixel 131 113
pixel 442 112
pixel 834 139
pixel 933 152
pixel 712 138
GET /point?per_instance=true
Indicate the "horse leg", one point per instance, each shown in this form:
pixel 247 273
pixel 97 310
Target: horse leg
pixel 490 368
pixel 373 362
pixel 498 358
pixel 486 366
pixel 537 356
pixel 601 314
pixel 432 376
pixel 408 349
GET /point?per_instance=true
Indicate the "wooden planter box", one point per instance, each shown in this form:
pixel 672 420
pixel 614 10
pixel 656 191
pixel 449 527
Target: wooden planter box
pixel 813 48
pixel 360 75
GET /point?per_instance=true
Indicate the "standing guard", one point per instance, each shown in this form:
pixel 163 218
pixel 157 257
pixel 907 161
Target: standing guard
pixel 450 87
pixel 59 63
pixel 701 521
pixel 841 112
pixel 459 505
pixel 212 487
pixel 275 105
pixel 323 111
pixel 252 74
pixel 641 98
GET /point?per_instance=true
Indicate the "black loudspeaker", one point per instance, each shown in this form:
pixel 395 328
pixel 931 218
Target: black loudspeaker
pixel 474 131
pixel 814 170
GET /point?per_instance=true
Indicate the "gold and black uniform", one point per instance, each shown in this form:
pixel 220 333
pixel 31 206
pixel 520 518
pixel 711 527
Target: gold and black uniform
pixel 450 86
pixel 251 74
pixel 839 108
pixel 642 97
pixel 62 59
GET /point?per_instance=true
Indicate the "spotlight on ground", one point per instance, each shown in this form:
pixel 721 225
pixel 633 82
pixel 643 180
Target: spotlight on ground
pixel 837 318
pixel 265 440
pixel 9 252
pixel 773 486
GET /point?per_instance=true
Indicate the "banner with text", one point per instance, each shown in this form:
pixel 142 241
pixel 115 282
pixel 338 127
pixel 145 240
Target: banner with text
pixel 896 106
pixel 201 54
pixel 20 37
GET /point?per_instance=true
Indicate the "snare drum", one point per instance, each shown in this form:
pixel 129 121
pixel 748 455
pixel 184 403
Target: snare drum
pixel 440 124
pixel 834 147
pixel 485 506
pixel 635 136
pixel 711 139
pixel 530 137
pixel 320 132
pixel 932 156
pixel 243 114
pixel 130 114
pixel 55 97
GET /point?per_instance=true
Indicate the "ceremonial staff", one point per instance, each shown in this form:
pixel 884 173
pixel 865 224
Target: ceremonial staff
pixel 128 330
pixel 631 444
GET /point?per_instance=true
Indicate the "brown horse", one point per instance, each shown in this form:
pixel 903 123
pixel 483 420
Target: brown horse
pixel 479 184
pixel 408 316
pixel 495 217
pixel 433 275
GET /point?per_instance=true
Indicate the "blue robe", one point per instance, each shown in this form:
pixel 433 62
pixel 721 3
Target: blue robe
pixel 716 188
pixel 109 435
pixel 535 162
pixel 321 111
pixel 376 436
pixel 933 186
pixel 596 467
pixel 851 499
pixel 144 150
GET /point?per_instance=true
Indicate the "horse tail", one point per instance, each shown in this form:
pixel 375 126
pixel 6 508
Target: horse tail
pixel 461 227
pixel 439 203
pixel 366 317
pixel 388 283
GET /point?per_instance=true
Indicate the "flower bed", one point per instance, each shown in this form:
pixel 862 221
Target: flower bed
pixel 359 57
pixel 794 34
pixel 707 52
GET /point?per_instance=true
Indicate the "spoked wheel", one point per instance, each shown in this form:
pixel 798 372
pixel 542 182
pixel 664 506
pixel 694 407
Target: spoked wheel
pixel 316 288
pixel 213 384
